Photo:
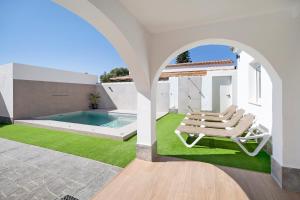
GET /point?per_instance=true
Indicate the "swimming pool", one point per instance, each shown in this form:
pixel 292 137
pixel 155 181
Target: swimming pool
pixel 111 120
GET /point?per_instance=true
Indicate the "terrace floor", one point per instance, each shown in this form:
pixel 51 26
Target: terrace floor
pixel 171 178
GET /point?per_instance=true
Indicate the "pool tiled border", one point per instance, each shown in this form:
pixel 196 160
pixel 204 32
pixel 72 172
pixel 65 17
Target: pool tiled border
pixel 122 133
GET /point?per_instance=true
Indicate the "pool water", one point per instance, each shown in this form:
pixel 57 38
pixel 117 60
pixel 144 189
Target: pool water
pixel 111 120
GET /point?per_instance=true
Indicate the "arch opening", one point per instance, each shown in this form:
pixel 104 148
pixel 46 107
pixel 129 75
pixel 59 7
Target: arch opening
pixel 265 104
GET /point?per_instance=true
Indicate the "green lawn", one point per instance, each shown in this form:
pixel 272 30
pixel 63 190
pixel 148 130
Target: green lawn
pixel 102 149
pixel 220 151
pixel 213 150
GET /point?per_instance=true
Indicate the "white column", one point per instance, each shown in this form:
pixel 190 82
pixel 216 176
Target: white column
pixel 146 124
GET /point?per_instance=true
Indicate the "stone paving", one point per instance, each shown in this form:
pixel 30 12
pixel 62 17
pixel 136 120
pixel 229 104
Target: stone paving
pixel 32 173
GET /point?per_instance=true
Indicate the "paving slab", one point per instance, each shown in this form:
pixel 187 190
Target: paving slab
pixel 28 172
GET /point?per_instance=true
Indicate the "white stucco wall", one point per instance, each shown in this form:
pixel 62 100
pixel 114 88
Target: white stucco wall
pixel 196 93
pixel 263 110
pixel 173 92
pixel 163 98
pixel 6 91
pixel 15 71
pixel 123 95
pixel 35 73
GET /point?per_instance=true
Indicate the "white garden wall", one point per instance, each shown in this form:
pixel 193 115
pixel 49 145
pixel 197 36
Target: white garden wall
pixel 29 91
pixel 123 96
pixel 34 73
pixel 6 91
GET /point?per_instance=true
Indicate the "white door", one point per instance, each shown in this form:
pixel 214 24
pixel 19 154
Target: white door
pixel 222 93
pixel 225 96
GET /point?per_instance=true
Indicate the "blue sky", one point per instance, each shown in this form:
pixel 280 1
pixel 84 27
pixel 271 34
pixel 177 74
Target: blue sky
pixel 40 32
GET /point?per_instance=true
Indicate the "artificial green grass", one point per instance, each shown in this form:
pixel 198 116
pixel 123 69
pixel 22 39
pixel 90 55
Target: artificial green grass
pixel 218 151
pixel 109 151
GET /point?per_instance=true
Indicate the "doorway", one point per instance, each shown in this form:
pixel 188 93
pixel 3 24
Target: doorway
pixel 221 93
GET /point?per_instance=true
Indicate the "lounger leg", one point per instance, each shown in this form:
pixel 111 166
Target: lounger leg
pixel 178 133
pixel 250 133
pixel 265 139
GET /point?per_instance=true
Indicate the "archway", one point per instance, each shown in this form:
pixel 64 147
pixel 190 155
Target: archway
pixel 130 46
pixel 133 49
pixel 276 110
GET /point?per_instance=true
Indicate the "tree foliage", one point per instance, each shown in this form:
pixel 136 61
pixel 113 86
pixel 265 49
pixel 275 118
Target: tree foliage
pixel 184 57
pixel 94 100
pixel 116 72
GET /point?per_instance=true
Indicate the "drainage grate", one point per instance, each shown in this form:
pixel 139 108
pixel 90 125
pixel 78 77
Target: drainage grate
pixel 68 197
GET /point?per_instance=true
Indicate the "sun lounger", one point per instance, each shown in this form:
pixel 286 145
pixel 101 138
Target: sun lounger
pixel 227 116
pixel 224 124
pixel 205 113
pixel 235 134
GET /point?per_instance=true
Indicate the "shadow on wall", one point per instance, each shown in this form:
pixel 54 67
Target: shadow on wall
pixel 4 114
pixel 123 96
pixel 190 94
pixel 197 87
pixel 105 100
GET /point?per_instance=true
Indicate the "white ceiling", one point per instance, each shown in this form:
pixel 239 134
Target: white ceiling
pixel 166 15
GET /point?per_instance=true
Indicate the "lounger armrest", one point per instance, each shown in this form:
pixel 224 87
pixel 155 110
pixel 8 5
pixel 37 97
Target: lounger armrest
pixel 262 128
pixel 253 137
pixel 258 129
pixel 264 139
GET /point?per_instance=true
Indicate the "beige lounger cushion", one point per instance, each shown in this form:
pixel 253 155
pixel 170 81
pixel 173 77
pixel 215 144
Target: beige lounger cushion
pixel 214 113
pixel 227 116
pixel 230 123
pixel 244 124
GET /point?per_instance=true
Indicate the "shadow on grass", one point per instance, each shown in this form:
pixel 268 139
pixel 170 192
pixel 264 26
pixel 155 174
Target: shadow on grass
pixel 223 152
pixel 221 143
pixel 233 160
pixel 130 137
pixel 4 124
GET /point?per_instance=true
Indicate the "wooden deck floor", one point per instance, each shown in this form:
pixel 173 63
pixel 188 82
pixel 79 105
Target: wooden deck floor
pixel 176 179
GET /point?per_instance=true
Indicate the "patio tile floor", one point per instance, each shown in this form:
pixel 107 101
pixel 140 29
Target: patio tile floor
pixel 29 172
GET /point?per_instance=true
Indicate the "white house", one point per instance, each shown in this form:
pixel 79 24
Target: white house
pixel 213 90
pixel 189 87
pixel 209 85
pixel 147 41
pixel 246 85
